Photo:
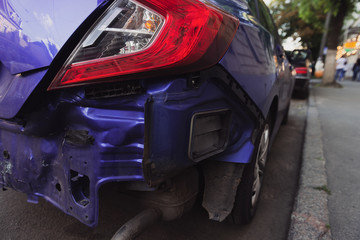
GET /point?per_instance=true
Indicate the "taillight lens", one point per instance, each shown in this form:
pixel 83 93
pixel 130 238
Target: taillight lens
pixel 301 70
pixel 149 36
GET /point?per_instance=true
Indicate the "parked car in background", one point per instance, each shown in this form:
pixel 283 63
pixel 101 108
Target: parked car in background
pixel 154 95
pixel 301 59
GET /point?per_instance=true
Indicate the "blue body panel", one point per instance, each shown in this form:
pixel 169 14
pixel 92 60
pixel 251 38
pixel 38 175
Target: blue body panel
pixel 64 145
pixel 15 89
pixel 31 35
pixel 35 32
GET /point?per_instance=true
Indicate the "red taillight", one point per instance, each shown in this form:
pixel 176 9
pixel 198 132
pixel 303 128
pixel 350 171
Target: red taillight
pixel 301 70
pixel 147 36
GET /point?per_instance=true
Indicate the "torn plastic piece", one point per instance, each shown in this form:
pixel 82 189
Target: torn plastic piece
pixel 221 182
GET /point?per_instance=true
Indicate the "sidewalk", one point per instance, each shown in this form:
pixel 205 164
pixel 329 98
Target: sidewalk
pixel 327 204
pixel 310 217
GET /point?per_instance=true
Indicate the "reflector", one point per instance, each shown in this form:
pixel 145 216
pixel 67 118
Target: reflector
pixel 301 70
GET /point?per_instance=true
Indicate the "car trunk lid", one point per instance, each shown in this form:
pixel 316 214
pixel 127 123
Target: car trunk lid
pixel 31 34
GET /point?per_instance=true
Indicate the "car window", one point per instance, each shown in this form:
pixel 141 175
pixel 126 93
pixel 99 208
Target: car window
pixel 299 55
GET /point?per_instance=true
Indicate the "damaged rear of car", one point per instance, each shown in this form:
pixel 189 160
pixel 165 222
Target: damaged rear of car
pixel 154 95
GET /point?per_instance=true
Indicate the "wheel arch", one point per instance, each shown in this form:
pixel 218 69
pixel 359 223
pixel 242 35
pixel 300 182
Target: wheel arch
pixel 272 113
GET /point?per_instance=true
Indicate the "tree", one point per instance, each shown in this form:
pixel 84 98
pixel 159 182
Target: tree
pixel 305 18
pixel 287 17
pixel 340 9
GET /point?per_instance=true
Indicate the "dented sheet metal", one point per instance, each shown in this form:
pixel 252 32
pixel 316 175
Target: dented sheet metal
pixel 68 165
pixel 68 146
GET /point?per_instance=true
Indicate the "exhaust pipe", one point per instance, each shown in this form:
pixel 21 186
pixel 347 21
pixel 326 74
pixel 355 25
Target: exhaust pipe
pixel 166 204
pixel 135 226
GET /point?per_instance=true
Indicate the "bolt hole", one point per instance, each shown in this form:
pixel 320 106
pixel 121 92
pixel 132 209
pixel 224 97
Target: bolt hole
pixel 6 154
pixel 85 163
pixel 86 217
pixel 70 208
pixel 58 187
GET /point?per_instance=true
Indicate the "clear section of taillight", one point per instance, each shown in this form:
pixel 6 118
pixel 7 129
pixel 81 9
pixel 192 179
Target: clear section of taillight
pixel 152 37
pixel 126 28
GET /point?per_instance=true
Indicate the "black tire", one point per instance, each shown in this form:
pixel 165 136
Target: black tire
pixel 248 191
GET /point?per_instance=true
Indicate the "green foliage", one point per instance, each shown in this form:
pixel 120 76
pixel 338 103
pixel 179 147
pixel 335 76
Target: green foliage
pixel 308 8
pixel 310 11
pixel 297 16
pixel 286 15
pixel 323 188
pixel 305 18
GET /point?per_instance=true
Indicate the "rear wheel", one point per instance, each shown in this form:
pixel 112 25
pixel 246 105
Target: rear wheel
pixel 248 191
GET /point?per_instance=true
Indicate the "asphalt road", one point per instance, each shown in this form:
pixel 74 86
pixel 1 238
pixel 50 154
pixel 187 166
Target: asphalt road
pixel 21 220
pixel 339 115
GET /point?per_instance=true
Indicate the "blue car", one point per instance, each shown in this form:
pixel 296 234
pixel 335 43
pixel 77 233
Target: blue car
pixel 169 99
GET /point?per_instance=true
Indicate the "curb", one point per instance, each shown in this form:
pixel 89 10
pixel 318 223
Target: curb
pixel 310 216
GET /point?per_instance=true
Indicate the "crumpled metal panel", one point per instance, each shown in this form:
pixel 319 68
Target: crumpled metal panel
pixel 68 146
pixel 43 165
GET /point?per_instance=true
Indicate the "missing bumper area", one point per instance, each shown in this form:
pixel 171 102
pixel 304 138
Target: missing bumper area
pixel 80 188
